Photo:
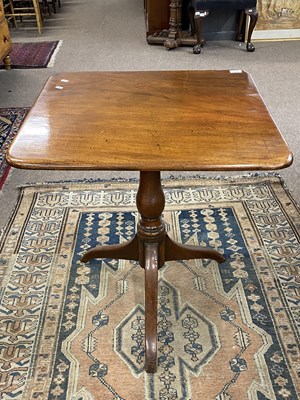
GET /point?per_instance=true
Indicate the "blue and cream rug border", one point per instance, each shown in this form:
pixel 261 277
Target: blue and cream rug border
pixel 10 121
pixel 75 331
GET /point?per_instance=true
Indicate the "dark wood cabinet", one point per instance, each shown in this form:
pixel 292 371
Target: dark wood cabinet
pixel 5 42
pixel 157 14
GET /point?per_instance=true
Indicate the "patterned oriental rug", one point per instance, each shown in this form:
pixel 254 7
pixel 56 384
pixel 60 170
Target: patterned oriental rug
pixel 10 122
pixel 226 332
pixel 33 54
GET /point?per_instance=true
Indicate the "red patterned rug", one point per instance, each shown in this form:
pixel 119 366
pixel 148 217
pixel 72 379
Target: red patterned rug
pixel 33 55
pixel 10 122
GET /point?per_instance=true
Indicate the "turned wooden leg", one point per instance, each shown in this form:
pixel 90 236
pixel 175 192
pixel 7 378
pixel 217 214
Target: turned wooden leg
pixel 191 15
pixel 239 35
pixel 173 39
pixel 253 20
pixel 38 16
pixel 150 201
pixel 7 62
pixel 197 47
pixel 198 27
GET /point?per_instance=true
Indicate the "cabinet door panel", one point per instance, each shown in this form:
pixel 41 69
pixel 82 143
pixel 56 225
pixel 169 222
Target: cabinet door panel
pixel 157 15
pixel 4 39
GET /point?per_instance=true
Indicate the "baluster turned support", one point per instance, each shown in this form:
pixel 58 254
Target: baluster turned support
pixel 151 246
pixel 173 39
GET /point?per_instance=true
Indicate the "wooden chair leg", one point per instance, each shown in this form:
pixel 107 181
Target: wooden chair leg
pixel 239 35
pixel 54 6
pixel 253 20
pixel 191 15
pixel 38 15
pixel 197 47
pixel 198 27
pixel 10 14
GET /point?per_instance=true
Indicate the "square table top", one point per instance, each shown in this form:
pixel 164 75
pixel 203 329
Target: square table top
pixel 146 121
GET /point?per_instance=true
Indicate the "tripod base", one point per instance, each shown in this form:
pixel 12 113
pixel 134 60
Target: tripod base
pixel 151 247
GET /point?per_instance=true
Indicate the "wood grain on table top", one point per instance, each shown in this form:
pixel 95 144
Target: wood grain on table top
pixel 160 120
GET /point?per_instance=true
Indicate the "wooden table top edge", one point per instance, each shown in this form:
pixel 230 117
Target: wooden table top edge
pixel 20 164
pixel 219 168
pixel 284 161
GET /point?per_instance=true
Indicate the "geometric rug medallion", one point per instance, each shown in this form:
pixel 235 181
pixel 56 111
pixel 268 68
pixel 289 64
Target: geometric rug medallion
pixel 75 331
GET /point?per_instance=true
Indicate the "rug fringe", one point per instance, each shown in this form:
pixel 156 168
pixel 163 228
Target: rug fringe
pixel 84 180
pixel 228 177
pixel 170 177
pixel 52 59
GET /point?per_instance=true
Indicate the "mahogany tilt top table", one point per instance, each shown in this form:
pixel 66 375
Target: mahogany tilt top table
pixel 150 122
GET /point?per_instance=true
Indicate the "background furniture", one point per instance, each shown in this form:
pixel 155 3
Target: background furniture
pixel 19 8
pixel 5 42
pixel 171 23
pixel 202 8
pixel 145 121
